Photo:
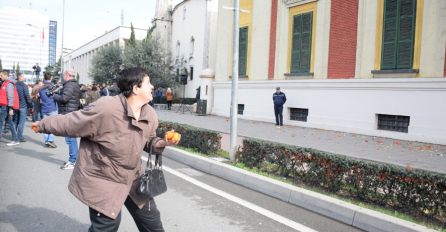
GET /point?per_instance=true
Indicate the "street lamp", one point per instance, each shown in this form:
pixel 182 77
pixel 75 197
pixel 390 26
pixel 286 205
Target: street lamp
pixel 61 52
pixel 234 90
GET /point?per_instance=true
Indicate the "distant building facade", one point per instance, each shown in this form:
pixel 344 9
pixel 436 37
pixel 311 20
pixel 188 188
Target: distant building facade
pixel 80 58
pixel 192 39
pixel 24 39
pixel 52 40
pixel 366 67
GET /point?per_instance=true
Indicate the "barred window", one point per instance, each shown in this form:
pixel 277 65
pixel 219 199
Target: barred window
pixel 393 123
pixel 240 109
pixel 298 114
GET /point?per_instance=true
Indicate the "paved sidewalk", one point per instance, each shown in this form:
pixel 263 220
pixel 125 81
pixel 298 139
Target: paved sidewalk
pixel 430 157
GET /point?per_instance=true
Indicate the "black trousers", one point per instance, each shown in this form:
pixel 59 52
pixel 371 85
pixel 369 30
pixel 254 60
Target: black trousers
pixel 278 112
pixel 169 104
pixel 145 220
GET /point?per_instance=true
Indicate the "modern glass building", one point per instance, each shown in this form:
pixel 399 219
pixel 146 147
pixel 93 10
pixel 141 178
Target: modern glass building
pixel 52 42
pixel 23 40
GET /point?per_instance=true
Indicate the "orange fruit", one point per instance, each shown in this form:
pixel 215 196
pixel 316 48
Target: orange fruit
pixel 169 135
pixel 34 128
pixel 176 137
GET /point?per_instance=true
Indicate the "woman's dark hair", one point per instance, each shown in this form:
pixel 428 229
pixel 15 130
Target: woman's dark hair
pixel 130 77
pixel 94 88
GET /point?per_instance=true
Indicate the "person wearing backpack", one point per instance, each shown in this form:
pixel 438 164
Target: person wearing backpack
pixel 9 101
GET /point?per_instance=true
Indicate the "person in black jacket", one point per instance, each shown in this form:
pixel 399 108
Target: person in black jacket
pixel 24 103
pixel 279 99
pixel 114 91
pixel 68 101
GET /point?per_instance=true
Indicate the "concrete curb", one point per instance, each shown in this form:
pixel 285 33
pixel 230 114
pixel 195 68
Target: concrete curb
pixel 345 212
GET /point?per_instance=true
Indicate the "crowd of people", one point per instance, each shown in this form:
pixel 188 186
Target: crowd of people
pixel 19 100
pixel 106 175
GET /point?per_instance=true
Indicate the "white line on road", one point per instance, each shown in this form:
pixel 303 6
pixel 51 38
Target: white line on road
pixel 239 201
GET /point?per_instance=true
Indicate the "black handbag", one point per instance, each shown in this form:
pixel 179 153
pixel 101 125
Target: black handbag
pixel 152 182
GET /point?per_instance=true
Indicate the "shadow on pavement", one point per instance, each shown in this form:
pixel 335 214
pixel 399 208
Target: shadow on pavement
pixel 37 155
pixel 39 219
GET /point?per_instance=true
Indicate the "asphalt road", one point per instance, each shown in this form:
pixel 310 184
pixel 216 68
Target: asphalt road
pixel 34 197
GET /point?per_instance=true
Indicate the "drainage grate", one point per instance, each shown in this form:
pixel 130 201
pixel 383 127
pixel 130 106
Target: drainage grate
pixel 298 114
pixel 240 108
pixel 393 123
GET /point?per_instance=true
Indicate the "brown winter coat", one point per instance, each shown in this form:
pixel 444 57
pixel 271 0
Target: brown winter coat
pixel 34 93
pixel 169 96
pixel 109 160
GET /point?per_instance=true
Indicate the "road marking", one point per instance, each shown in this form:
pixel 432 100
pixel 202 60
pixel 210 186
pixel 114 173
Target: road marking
pixel 239 201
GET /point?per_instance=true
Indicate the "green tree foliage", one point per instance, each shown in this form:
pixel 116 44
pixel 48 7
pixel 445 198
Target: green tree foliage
pixel 18 68
pixel 149 32
pixel 53 69
pixel 1 67
pixel 106 64
pixel 77 77
pixel 13 67
pixel 132 40
pixel 151 55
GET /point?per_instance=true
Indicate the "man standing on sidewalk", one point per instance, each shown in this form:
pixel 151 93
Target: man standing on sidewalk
pixel 279 99
pixel 37 71
pixel 68 101
pixel 35 97
pixel 24 103
pixel 48 106
pixel 9 101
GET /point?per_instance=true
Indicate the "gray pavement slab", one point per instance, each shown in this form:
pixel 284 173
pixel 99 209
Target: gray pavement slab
pixel 391 151
pixel 34 197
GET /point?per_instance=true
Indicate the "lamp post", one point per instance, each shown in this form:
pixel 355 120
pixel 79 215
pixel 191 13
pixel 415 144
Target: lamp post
pixel 41 39
pixel 61 51
pixel 234 90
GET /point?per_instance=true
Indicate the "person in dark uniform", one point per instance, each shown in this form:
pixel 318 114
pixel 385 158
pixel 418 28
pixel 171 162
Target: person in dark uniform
pixel 279 99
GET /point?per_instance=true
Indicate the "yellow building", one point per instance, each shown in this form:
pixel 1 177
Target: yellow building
pixel 361 66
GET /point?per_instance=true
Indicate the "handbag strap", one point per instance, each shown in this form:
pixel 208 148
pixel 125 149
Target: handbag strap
pixel 149 161
pixel 159 161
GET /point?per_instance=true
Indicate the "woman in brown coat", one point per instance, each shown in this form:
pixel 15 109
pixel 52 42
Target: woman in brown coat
pixel 169 95
pixel 114 131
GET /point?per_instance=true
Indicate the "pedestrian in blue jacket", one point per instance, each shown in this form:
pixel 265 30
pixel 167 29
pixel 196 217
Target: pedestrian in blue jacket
pixel 48 107
pixel 279 99
pixel 159 94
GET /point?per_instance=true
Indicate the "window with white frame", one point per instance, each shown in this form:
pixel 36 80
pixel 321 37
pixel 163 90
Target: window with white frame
pixel 191 48
pixel 191 68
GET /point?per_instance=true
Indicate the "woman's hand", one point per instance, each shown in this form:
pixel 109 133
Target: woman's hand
pixel 166 142
pixel 35 124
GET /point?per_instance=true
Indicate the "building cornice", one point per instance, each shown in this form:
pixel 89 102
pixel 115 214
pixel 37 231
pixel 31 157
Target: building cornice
pixel 118 27
pixel 394 84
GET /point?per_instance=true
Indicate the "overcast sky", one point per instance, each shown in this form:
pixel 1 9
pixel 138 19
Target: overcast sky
pixel 85 19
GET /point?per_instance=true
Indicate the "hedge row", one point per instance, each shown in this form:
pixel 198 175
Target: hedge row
pixel 414 191
pixel 175 101
pixel 204 141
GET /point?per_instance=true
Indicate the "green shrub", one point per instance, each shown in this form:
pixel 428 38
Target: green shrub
pixel 415 191
pixel 204 141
